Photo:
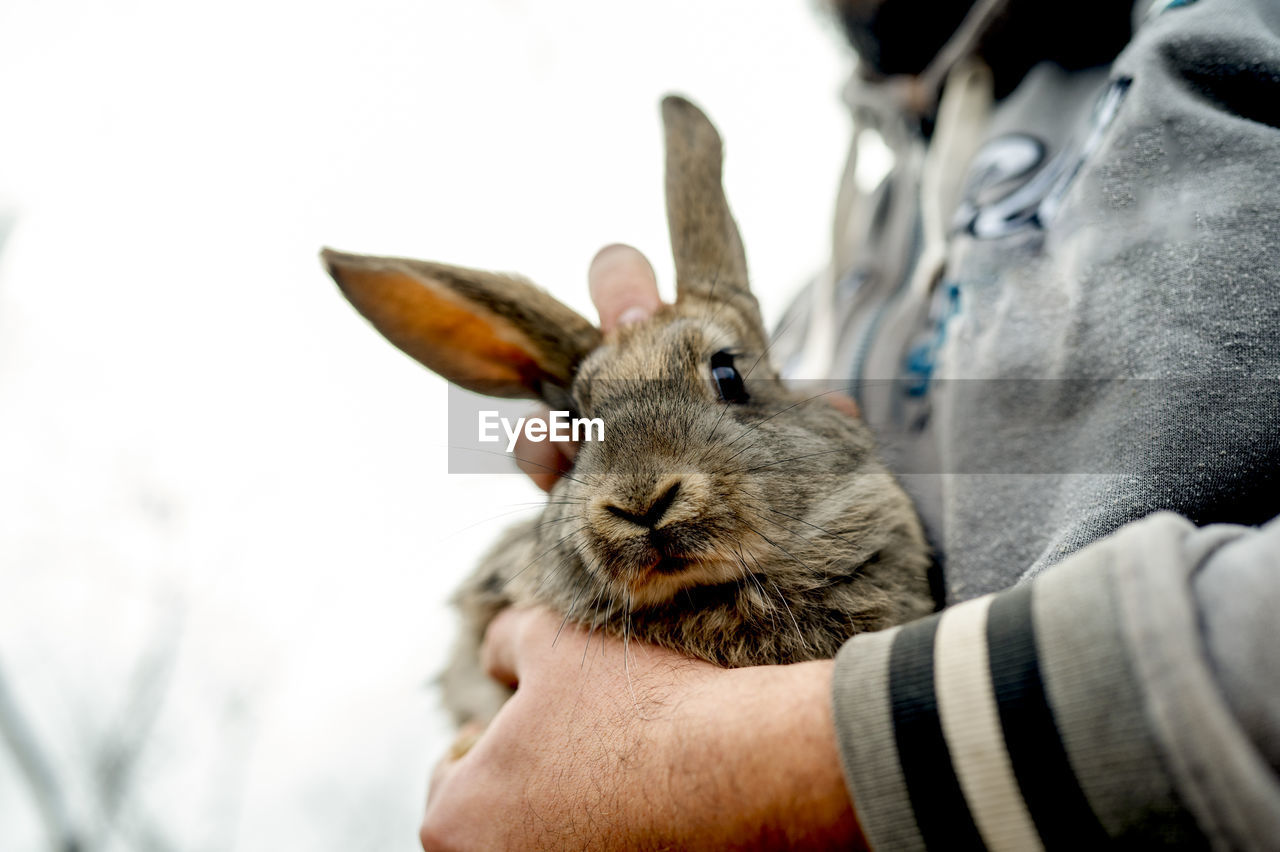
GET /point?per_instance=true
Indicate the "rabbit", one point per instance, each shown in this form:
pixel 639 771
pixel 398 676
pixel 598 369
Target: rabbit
pixel 723 516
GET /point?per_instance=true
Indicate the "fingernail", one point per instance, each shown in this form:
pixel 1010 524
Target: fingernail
pixel 611 249
pixel 633 315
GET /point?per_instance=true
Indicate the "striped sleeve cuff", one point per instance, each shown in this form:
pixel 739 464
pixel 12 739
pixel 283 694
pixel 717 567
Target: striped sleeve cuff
pixel 1012 721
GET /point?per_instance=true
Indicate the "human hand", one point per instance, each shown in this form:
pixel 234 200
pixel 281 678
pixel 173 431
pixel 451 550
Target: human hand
pixel 614 746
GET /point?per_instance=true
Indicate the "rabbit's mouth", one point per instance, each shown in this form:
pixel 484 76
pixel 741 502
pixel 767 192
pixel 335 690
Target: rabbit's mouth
pixel 670 565
pixel 658 581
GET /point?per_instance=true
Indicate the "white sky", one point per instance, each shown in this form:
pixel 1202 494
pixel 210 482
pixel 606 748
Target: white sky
pixel 200 439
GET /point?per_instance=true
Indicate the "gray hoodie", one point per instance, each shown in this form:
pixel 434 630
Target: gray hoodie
pixel 1061 313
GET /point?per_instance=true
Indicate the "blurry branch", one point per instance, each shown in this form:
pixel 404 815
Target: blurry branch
pixel 30 756
pixel 236 733
pixel 35 766
pixel 7 220
pixel 118 756
pixel 143 832
pixel 115 794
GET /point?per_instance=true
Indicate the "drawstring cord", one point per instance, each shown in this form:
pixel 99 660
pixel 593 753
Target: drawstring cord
pixel 960 86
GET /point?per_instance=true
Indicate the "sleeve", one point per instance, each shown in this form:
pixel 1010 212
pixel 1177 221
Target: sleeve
pixel 1130 694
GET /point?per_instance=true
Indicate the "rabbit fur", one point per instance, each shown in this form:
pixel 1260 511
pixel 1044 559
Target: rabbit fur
pixel 751 531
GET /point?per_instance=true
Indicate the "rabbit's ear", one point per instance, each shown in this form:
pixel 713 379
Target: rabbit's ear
pixel 487 332
pixel 710 261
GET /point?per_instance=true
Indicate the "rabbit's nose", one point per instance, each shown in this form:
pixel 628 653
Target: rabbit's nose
pixel 649 516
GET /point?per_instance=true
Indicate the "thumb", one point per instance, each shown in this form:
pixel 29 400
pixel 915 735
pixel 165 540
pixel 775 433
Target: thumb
pixel 623 286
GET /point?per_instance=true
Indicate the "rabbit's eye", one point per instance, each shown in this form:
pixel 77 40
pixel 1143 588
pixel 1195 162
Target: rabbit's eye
pixel 727 378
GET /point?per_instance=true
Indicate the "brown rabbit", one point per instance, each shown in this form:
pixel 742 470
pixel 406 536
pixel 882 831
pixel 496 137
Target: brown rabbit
pixel 723 515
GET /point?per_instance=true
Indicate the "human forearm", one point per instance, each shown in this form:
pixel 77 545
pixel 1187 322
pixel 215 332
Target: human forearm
pixel 758 764
pixel 1078 708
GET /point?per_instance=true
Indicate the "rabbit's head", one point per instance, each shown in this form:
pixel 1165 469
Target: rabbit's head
pixel 710 470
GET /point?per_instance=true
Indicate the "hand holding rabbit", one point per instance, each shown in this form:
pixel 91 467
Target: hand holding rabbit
pixel 727 516
pixel 687 756
pixel 479 798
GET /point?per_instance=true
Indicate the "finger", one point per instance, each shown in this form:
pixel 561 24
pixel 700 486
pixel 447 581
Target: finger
pixel 623 286
pixel 440 775
pixel 544 461
pixel 468 735
pixel 499 653
pixel 844 403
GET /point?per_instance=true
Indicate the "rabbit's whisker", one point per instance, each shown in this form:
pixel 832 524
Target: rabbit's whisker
pixel 764 597
pixel 822 530
pixel 706 321
pixel 769 345
pixel 773 607
pixel 595 615
pixel 781 526
pixel 705 324
pixel 516 508
pixel 781 597
pixel 542 554
pixel 559 565
pixel 750 370
pixel 724 407
pixel 626 652
pixel 831 533
pixel 490 518
pixel 799 633
pixel 751 429
pixel 550 521
pixel 786 552
pixel 795 458
pixel 567 613
pixel 555 470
